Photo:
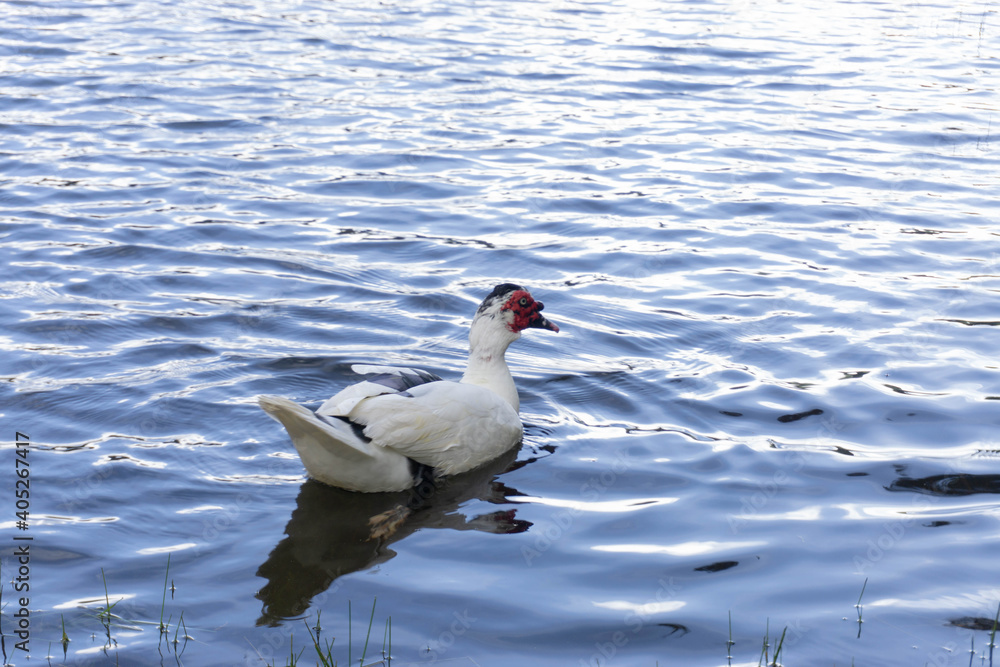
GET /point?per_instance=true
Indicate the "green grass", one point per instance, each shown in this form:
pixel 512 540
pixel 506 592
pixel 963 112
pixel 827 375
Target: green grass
pixel 766 659
pixel 324 647
pixel 781 642
pixel 766 645
pixel 364 651
pixel 325 657
pixel 107 616
pixel 163 603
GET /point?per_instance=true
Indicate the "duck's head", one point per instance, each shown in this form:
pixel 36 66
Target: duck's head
pixel 514 308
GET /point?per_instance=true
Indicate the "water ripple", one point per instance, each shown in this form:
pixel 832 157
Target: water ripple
pixel 764 230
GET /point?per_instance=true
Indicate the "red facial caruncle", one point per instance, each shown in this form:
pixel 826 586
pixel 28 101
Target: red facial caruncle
pixel 527 313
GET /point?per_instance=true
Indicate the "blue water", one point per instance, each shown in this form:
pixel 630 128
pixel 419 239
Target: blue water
pixel 768 231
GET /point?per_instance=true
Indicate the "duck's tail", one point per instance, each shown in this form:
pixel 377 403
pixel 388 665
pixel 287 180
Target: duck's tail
pixel 334 453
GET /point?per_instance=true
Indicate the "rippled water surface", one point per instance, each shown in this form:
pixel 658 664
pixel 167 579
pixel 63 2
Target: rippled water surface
pixel 768 231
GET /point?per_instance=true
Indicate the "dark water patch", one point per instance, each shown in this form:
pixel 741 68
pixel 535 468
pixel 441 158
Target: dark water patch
pixel 974 623
pixel 799 415
pixel 717 567
pixel 949 485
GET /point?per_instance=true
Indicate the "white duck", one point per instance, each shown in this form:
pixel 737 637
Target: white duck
pixel 384 433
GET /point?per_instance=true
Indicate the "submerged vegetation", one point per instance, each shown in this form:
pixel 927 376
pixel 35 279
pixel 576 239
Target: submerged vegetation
pixel 324 648
pixel 174 638
pixel 111 621
pixel 319 650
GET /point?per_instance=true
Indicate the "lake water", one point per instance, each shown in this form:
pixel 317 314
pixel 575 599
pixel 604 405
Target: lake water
pixel 769 233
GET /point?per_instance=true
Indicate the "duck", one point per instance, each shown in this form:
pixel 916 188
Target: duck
pixel 400 427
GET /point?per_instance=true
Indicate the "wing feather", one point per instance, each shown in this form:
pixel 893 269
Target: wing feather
pixel 446 425
pixel 381 380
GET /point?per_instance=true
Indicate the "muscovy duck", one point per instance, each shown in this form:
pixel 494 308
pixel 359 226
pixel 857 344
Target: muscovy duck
pixel 401 426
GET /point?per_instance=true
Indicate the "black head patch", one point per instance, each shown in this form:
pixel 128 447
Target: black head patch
pixel 498 291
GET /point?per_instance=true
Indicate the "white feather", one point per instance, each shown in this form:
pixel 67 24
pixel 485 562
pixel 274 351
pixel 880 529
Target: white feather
pixel 334 454
pixel 450 426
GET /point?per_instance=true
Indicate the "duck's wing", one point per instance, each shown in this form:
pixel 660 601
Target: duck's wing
pixel 396 377
pixel 381 380
pixel 449 426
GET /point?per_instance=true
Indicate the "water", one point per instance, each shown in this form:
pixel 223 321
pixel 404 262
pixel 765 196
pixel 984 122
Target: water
pixel 768 232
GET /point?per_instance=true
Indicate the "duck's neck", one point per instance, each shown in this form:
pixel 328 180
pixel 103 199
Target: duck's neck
pixel 487 366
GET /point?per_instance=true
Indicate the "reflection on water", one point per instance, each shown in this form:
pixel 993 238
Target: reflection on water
pixel 334 532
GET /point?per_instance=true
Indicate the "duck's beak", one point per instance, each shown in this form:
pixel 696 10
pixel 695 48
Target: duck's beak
pixel 538 320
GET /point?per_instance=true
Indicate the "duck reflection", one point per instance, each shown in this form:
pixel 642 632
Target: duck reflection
pixel 333 532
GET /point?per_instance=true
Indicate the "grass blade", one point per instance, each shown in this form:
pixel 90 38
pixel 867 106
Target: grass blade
pixel 107 598
pixel 781 642
pixel 993 635
pixel 858 605
pixel 370 620
pixel 387 634
pixel 762 660
pixel 163 603
pixel 730 642
pixel 325 659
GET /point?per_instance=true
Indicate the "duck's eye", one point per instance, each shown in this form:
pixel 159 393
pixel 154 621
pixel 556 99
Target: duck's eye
pixel 523 301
